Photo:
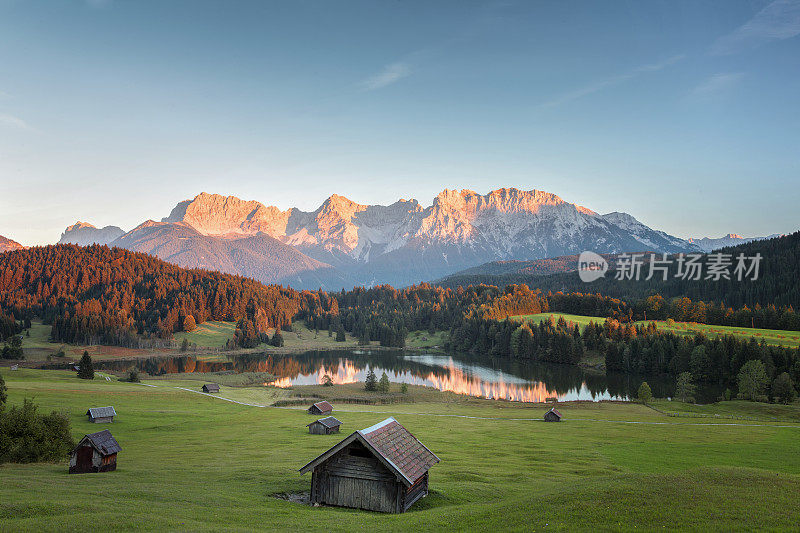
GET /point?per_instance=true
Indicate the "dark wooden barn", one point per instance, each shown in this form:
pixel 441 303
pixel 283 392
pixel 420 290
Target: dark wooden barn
pixel 380 468
pixel 101 415
pixel 321 408
pixel 96 452
pixel 324 426
pixel 552 415
pixel 210 387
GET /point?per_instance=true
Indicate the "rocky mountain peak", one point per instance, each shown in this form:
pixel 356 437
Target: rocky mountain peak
pixel 7 245
pixel 84 234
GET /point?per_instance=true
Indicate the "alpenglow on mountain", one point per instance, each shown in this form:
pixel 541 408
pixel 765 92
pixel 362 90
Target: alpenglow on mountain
pixel 343 243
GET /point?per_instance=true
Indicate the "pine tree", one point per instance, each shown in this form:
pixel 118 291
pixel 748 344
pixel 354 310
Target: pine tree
pixel 783 389
pixel 85 367
pixel 383 384
pixel 184 344
pixel 371 383
pixel 752 380
pixel 684 388
pixel 340 336
pixel 277 339
pixel 645 395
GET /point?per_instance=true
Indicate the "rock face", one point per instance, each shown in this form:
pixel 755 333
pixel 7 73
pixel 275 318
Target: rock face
pixel 404 243
pixel 344 243
pixel 84 234
pixel 707 244
pixel 7 245
pixel 257 256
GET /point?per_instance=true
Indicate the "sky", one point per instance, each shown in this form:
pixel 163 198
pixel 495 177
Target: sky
pixel 685 114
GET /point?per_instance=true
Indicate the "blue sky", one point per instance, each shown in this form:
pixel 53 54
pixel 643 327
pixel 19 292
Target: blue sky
pixel 685 114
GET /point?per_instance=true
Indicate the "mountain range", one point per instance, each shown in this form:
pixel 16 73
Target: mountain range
pixel 7 245
pixel 731 239
pixel 343 243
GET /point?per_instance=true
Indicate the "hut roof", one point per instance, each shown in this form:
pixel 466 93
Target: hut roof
pixel 103 442
pixel 101 412
pixel 211 386
pixel 394 445
pixel 323 406
pixel 555 412
pixel 328 422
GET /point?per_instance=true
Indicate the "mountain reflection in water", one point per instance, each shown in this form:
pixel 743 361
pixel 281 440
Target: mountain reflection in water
pixel 489 378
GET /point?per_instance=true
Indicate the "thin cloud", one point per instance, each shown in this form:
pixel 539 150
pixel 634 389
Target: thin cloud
pixel 599 85
pixel 777 21
pixel 717 84
pixel 15 122
pixel 390 74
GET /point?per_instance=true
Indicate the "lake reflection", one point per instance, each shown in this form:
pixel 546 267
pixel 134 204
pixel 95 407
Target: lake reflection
pixel 489 378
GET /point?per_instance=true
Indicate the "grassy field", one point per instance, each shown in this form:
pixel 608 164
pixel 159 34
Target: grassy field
pixel 425 339
pixel 770 336
pixel 213 334
pixel 37 347
pixel 198 463
pixel 209 334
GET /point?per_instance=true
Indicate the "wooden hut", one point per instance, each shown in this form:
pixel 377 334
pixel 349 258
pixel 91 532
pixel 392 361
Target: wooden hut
pixel 211 388
pixel 101 415
pixel 552 415
pixel 380 468
pixel 96 452
pixel 321 408
pixel 324 426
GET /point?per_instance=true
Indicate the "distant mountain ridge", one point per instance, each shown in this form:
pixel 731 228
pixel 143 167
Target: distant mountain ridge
pixel 7 245
pixel 84 234
pixel 731 239
pixel 348 243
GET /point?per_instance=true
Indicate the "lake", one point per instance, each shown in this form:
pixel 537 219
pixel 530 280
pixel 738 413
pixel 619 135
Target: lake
pixel 504 378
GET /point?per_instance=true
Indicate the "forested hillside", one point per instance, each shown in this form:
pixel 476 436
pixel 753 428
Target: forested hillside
pixel 777 284
pixel 107 295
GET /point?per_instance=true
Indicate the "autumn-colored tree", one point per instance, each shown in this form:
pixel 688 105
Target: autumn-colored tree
pixel 189 323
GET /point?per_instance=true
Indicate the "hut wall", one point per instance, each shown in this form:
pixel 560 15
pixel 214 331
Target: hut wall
pixel 102 419
pixel 415 492
pixel 357 482
pixel 87 459
pixel 317 429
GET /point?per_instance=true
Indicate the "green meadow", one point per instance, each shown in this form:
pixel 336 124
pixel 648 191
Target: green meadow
pixel 775 337
pixel 192 462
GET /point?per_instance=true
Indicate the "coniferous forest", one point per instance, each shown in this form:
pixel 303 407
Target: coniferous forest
pixel 101 295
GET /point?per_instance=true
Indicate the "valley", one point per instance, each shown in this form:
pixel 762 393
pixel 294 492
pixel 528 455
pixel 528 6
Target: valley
pixel 624 465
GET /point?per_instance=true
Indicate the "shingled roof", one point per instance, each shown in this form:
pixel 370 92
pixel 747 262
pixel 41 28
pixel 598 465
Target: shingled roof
pixel 398 446
pixel 394 445
pixel 323 406
pixel 103 442
pixel 328 422
pixel 101 412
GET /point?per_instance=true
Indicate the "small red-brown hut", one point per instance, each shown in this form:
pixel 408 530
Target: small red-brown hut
pixel 321 408
pixel 96 452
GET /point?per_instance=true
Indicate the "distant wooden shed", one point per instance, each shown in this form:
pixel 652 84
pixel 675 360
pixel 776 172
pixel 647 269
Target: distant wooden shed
pixel 321 408
pixel 96 452
pixel 324 426
pixel 552 415
pixel 101 415
pixel 211 387
pixel 380 468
